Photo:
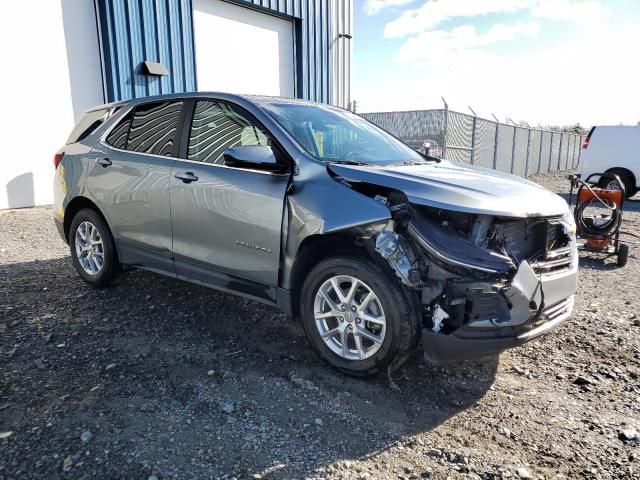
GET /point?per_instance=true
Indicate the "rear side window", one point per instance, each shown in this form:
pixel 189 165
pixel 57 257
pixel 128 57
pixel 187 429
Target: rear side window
pixel 217 126
pixel 88 123
pixel 150 128
pixel 118 136
pixel 153 128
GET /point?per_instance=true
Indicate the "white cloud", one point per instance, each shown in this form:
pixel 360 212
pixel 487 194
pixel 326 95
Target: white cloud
pixel 587 13
pixel 371 7
pixel 439 46
pixel 434 12
pixel 587 78
pixel 558 84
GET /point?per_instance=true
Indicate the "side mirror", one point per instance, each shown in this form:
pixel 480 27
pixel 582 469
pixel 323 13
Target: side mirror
pixel 259 157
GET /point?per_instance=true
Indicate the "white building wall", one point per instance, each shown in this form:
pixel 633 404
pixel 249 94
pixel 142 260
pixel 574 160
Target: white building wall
pixel 50 74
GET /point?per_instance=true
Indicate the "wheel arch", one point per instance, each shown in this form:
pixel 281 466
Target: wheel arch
pixel 80 203
pixel 316 248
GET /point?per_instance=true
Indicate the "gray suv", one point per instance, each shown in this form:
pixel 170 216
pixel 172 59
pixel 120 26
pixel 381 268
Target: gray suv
pixel 374 246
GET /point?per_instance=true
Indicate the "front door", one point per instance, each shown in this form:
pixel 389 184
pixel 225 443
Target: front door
pixel 129 179
pixel 226 221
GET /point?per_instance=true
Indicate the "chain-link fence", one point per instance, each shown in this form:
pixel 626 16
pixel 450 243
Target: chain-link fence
pixel 466 138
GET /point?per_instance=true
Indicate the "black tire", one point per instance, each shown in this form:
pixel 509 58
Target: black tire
pixel 623 254
pixel 629 185
pixel 110 265
pixel 402 325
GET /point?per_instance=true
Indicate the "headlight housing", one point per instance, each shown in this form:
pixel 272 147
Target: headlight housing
pixel 569 224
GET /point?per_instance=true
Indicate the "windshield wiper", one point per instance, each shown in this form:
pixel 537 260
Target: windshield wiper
pixel 349 162
pixel 411 162
pixel 429 158
pixel 426 159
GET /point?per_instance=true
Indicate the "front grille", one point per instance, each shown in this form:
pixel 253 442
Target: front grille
pixel 543 242
pixel 558 249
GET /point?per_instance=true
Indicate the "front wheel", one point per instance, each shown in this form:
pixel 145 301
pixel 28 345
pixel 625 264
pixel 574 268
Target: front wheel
pixel 357 316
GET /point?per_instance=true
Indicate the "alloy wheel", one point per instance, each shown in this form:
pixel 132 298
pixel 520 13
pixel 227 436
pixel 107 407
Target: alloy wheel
pixel 613 185
pixel 349 317
pixel 89 248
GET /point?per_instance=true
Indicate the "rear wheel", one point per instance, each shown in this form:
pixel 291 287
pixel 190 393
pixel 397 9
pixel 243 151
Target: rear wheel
pixel 357 316
pixel 625 177
pixel 623 254
pixel 92 248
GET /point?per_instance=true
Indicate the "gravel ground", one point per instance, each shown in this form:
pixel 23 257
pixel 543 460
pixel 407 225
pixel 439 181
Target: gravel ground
pixel 155 378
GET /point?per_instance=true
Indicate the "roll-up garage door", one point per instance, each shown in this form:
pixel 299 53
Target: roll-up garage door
pixel 241 50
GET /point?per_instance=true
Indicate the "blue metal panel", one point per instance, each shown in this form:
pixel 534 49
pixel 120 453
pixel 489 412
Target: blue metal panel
pixel 132 31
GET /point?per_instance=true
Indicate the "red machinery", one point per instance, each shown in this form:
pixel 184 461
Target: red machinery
pixel 601 232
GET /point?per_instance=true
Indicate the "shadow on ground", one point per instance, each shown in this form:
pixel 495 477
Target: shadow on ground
pixel 182 380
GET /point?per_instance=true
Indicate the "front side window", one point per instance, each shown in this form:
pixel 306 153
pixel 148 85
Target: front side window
pixel 217 126
pixel 334 135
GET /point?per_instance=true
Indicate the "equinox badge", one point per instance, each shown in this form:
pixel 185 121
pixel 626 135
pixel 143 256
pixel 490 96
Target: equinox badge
pixel 253 246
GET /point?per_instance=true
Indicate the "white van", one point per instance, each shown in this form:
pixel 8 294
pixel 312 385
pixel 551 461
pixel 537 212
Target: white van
pixel 613 149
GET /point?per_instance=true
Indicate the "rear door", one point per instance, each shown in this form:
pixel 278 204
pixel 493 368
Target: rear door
pixel 226 221
pixel 129 179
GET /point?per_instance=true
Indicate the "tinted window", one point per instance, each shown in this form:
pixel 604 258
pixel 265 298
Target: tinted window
pixel 153 128
pixel 87 124
pixel 217 126
pixel 331 134
pixel 118 136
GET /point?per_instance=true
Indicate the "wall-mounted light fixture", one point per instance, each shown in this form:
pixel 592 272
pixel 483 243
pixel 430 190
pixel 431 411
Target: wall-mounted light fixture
pixel 153 68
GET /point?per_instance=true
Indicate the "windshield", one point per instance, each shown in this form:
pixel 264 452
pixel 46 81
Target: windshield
pixel 333 135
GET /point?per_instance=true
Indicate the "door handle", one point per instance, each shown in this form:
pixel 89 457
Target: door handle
pixel 105 162
pixel 186 177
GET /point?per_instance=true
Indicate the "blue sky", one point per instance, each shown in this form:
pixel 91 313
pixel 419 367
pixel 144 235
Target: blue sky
pixel 543 61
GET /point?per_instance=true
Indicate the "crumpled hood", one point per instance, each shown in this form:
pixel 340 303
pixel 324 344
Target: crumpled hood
pixel 463 188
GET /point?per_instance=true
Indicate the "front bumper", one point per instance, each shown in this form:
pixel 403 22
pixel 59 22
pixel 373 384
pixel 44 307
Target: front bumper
pixel 469 342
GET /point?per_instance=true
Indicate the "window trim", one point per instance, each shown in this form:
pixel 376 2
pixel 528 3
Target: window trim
pixel 188 109
pixel 221 165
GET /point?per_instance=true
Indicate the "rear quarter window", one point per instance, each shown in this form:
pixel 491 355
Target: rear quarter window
pixel 88 123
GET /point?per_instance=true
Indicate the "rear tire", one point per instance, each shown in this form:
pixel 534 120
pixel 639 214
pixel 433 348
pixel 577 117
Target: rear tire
pixel 629 185
pixel 623 254
pixel 93 250
pixel 387 323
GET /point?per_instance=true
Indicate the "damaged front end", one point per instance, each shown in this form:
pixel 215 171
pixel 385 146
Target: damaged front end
pixel 485 282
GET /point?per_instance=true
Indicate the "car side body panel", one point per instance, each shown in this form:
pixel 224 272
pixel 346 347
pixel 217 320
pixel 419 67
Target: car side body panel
pixel 229 219
pixel 132 193
pixel 341 209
